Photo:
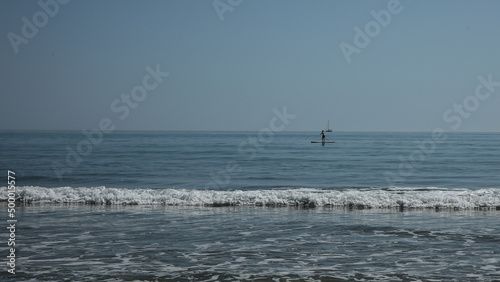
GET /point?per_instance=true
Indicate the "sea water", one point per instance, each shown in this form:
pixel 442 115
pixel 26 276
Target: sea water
pixel 214 206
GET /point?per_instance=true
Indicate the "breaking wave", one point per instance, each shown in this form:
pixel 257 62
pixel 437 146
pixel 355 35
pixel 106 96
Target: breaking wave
pixel 296 197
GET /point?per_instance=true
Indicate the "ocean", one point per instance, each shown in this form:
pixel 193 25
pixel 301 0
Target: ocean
pixel 246 206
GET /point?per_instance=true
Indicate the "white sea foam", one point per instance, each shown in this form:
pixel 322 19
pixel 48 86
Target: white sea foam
pixel 309 197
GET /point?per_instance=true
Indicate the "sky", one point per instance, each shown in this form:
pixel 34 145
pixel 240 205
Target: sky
pixel 382 65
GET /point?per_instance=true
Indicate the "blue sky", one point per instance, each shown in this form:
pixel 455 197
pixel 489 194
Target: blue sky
pixel 229 74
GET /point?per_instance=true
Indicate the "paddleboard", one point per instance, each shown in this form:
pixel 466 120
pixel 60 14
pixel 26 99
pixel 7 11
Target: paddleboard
pixel 322 142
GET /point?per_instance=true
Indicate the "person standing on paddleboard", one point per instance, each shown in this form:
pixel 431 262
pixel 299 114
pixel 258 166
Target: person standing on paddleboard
pixel 322 136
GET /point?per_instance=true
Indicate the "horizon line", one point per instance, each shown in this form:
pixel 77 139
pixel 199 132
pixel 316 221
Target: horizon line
pixel 194 130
